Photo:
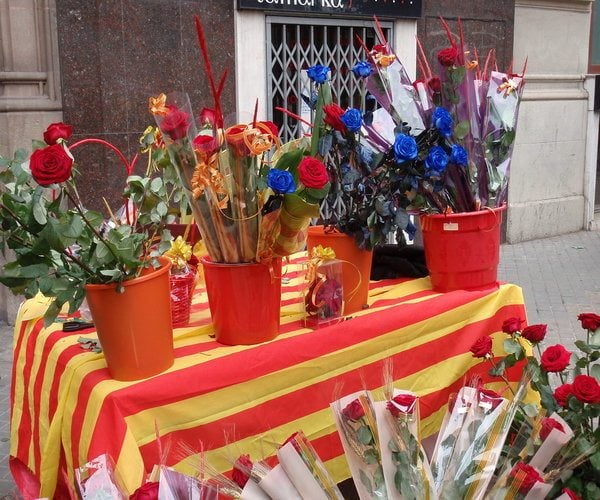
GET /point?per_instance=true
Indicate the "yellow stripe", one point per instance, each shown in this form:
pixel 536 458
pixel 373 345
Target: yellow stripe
pixel 274 385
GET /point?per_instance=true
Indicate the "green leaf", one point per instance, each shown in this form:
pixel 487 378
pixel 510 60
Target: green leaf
pixel 364 435
pixel 595 460
pixel 162 209
pixel 156 185
pixel 39 211
pixel 512 347
pixel 595 371
pixel 457 74
pixel 583 347
pixel 530 409
pixel 462 129
pixel 114 274
pixel 364 479
pixel 498 370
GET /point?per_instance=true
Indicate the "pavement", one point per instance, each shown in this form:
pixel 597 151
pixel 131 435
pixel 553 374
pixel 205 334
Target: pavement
pixel 560 278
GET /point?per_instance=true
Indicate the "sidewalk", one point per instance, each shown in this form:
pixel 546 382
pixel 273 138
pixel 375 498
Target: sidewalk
pixel 560 277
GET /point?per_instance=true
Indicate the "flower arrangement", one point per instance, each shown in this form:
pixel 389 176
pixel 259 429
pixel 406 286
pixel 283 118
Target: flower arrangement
pixel 438 144
pixel 59 246
pixel 251 196
pixel 568 384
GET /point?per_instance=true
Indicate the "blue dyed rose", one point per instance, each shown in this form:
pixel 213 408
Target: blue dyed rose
pixel 318 73
pixel 362 69
pixel 405 148
pixel 442 120
pixel 352 118
pixel 281 181
pixel 458 156
pixel 437 160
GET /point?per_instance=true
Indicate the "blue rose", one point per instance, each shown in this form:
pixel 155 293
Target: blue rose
pixel 442 120
pixel 362 69
pixel 437 160
pixel 281 181
pixel 318 73
pixel 405 148
pixel 458 156
pixel 352 118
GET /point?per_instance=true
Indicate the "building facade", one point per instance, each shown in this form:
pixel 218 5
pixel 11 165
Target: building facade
pixel 93 64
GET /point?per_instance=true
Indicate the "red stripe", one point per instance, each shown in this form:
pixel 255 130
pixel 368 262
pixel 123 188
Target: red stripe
pixel 25 424
pixel 49 343
pixel 302 402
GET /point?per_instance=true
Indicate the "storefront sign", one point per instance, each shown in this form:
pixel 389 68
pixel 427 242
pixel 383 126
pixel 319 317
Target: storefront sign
pixel 356 8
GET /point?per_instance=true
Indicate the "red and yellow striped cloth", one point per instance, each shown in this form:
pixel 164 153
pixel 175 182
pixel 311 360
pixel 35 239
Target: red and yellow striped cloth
pixel 67 410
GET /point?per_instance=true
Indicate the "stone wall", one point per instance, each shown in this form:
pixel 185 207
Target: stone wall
pixel 548 185
pixel 114 54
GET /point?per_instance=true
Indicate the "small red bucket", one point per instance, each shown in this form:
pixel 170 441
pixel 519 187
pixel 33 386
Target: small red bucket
pixel 244 301
pixel 462 250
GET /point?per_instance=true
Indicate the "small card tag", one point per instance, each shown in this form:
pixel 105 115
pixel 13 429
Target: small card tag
pixel 450 226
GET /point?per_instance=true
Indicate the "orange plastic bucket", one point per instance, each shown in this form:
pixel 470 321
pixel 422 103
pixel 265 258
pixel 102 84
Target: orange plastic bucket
pixel 356 270
pixel 244 301
pixel 462 250
pixel 134 327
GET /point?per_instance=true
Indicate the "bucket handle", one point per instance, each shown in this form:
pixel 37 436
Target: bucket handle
pixel 494 225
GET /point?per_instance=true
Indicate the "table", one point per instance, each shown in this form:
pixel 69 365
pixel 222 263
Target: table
pixel 242 399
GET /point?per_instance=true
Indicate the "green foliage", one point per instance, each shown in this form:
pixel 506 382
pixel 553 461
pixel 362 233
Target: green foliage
pixel 59 246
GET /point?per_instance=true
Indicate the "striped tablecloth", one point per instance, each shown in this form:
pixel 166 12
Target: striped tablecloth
pixel 230 400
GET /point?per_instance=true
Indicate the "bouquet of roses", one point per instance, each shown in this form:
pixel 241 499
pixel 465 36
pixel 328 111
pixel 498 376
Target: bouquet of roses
pixel 251 197
pixel 569 389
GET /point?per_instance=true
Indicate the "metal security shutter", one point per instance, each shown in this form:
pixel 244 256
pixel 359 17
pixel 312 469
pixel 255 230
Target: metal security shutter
pixel 294 44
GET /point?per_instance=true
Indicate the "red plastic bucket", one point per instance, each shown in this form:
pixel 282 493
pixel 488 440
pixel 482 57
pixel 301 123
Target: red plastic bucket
pixel 244 301
pixel 356 265
pixel 462 250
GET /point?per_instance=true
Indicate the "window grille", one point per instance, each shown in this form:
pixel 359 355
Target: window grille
pixel 294 45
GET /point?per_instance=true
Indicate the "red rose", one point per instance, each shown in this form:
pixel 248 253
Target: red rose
pixel 207 117
pixel 555 358
pixel 205 145
pixel 56 131
pixel 562 393
pixel 380 48
pixel 435 84
pixel 50 165
pixel 332 117
pixel 353 410
pixel 589 321
pixel 547 425
pixel 312 173
pixel 534 333
pixel 402 404
pixel 241 470
pixel 511 325
pixel 448 56
pixel 586 389
pixel 271 127
pixel 525 477
pixel 490 397
pixel 148 491
pixel 175 123
pixel 235 139
pixel 571 494
pixel 482 347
